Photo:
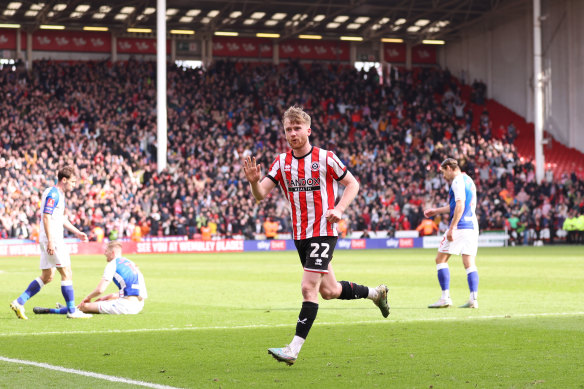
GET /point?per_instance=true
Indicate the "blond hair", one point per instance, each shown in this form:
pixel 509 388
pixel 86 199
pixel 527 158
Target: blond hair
pixel 296 114
pixel 114 244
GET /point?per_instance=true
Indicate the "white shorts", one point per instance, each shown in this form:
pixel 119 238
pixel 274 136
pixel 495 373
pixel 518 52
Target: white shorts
pixel 61 258
pixel 121 306
pixel 464 242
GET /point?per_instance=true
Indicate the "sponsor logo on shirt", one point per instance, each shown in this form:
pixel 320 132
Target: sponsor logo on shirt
pixel 50 202
pixel 304 185
pixel 287 168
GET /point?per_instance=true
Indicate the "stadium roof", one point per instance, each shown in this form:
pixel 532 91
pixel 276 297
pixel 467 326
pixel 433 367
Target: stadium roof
pixel 410 20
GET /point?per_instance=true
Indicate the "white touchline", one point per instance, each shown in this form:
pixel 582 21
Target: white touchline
pixel 252 326
pixel 86 373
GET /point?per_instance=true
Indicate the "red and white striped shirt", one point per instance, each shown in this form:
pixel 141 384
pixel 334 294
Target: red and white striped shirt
pixel 310 184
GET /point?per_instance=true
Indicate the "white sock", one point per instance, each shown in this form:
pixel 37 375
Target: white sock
pixel 296 344
pixel 372 294
pixel 41 283
pixel 474 295
pixel 446 294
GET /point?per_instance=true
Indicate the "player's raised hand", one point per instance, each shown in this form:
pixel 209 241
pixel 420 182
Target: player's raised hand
pixel 252 170
pixel 430 212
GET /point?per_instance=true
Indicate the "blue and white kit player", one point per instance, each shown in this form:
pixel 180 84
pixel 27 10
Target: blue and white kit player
pixel 54 251
pixel 462 236
pixel 129 280
pixel 125 275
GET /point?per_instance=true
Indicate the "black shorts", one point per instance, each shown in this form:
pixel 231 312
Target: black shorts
pixel 316 253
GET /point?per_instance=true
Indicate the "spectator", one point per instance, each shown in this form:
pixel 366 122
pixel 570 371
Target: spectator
pixel 427 227
pixel 270 228
pixel 107 126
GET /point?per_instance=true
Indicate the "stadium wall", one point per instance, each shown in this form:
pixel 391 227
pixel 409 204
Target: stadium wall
pixel 563 50
pixel 238 245
pixel 499 52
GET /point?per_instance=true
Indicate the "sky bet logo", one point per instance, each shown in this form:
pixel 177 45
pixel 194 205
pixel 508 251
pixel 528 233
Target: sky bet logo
pixel 304 185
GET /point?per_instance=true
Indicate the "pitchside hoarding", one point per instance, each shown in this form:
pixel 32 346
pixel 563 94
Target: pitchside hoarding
pixel 207 246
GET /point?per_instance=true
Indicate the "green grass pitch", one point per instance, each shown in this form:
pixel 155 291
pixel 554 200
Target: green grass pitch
pixel 211 318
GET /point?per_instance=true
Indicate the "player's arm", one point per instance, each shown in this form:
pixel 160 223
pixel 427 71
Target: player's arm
pixel 351 190
pixel 436 211
pixel 458 210
pixel 260 188
pixel 70 227
pixel 49 233
pixel 99 289
pixel 111 296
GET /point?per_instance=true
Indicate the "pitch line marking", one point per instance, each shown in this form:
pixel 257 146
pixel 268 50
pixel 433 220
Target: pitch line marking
pixel 86 373
pixel 253 326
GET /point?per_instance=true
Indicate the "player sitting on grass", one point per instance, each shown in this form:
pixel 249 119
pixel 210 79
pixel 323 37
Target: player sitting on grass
pixel 127 277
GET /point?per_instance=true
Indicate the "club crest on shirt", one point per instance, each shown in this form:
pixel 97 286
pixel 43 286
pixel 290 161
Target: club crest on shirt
pixel 315 166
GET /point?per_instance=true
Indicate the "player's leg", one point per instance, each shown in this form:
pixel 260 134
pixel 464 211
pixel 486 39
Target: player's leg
pixel 89 307
pixel 310 253
pixel 69 294
pixel 59 310
pixel 310 286
pixel 472 277
pixel 67 287
pixel 47 264
pixel 443 279
pixel 33 288
pixel 330 288
pixel 469 252
pixel 114 306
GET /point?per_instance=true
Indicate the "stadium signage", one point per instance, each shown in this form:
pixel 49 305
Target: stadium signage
pixel 278 245
pixel 392 243
pixel 406 243
pixel 344 243
pixel 358 243
pixel 263 245
pixel 190 246
pixel 210 246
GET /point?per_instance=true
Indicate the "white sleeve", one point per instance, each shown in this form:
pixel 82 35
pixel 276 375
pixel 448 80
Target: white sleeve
pixel 110 270
pixel 338 168
pixel 458 188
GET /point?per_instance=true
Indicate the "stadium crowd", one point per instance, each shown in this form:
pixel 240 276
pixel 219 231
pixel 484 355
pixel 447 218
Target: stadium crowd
pixel 391 134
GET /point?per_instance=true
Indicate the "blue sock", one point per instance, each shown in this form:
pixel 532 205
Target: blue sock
pixel 33 288
pixel 472 276
pixel 60 311
pixel 443 276
pixel 67 290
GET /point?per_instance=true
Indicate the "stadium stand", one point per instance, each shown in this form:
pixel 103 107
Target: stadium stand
pixel 101 117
